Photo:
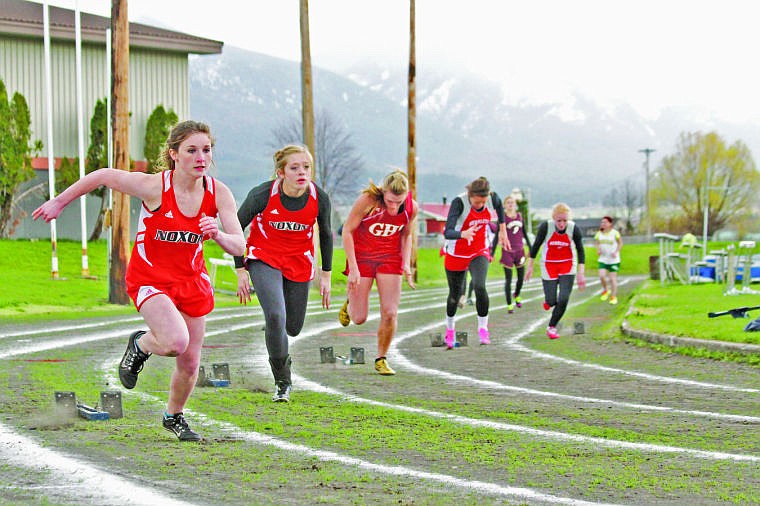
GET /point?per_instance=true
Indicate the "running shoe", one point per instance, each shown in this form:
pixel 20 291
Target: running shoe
pixel 518 301
pixel 177 425
pixel 510 308
pixel 470 302
pixel 552 333
pixel 281 392
pixel 547 307
pixel 132 362
pixel 604 295
pixel 343 316
pixel 449 338
pixel 382 367
pixel 613 300
pixel 485 337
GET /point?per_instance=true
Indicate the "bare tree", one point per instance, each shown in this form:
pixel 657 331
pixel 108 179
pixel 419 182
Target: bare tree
pixel 625 202
pixel 338 164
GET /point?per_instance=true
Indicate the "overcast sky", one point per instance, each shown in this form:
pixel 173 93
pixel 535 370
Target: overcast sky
pixel 647 53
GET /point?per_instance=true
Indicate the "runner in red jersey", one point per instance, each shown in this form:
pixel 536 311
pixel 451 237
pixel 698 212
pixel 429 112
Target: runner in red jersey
pixel 562 256
pixel 166 276
pixel 279 258
pixel 377 241
pixel 467 246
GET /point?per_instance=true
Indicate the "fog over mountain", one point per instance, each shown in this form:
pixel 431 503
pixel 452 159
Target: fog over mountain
pixel 577 151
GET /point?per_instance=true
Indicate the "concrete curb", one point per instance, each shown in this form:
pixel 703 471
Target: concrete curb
pixel 668 340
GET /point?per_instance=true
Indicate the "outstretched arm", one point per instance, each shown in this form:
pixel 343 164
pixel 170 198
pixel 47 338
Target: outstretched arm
pixel 146 187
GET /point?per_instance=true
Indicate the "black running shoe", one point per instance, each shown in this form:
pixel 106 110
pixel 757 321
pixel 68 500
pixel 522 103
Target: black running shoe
pixel 281 392
pixel 177 425
pixel 132 362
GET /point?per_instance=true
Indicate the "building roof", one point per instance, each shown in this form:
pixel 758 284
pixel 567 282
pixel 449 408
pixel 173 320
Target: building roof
pixel 21 18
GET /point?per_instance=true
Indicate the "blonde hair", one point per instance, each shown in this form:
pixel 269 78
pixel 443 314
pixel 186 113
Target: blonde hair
pixel 396 182
pixel 178 135
pixel 560 208
pixel 281 157
pixel 508 198
pixel 479 188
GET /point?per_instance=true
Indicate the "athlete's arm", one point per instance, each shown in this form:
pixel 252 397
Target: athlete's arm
pixel 146 187
pixel 325 246
pixel 455 210
pixel 406 246
pixel 231 239
pixel 581 269
pixel 255 202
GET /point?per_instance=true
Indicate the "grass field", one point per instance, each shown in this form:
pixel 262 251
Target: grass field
pixel 579 420
pixel 30 293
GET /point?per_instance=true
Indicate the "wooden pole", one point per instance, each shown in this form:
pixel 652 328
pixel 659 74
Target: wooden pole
pixel 117 292
pixel 411 156
pixel 307 100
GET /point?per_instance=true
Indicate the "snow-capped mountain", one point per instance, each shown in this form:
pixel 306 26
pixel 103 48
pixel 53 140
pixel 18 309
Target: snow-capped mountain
pixel 576 151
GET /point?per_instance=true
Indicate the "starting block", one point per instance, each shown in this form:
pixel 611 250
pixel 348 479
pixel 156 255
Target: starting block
pixel 436 340
pixel 65 404
pixel 579 328
pixel 223 379
pixel 110 402
pixel 326 355
pixel 357 355
pixel 461 338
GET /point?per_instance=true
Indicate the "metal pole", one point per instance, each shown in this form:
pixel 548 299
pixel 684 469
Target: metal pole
pixel 80 136
pixel 51 155
pixel 647 203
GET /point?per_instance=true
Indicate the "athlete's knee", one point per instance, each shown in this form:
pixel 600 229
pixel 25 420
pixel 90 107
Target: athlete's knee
pixel 172 345
pixel 389 314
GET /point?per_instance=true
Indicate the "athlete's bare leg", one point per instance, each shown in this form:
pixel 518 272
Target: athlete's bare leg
pixel 358 300
pixel 186 368
pixel 389 291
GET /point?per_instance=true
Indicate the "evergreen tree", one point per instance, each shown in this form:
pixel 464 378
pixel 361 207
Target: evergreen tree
pixel 157 128
pixel 16 149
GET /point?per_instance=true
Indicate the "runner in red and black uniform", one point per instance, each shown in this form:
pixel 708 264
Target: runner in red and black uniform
pixel 377 241
pixel 279 257
pixel 166 276
pixel 514 258
pixel 562 256
pixel 468 247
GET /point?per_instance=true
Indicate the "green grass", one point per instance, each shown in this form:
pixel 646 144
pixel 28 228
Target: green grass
pixel 30 294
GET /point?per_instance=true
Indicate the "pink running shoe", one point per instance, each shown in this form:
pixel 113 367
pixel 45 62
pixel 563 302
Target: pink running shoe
pixel 552 333
pixel 547 307
pixel 485 337
pixel 449 339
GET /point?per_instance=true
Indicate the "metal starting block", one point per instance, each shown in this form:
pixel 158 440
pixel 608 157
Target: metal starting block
pixel 221 370
pixel 579 328
pixel 66 404
pixel 357 355
pixel 436 340
pixel 326 355
pixel 461 338
pixel 110 402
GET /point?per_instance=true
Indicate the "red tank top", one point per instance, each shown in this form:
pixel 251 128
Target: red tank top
pixel 169 245
pixel 378 236
pixel 480 244
pixel 284 239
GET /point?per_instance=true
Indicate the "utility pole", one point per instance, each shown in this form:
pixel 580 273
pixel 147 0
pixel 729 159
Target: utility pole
pixel 307 101
pixel 411 154
pixel 647 203
pixel 117 288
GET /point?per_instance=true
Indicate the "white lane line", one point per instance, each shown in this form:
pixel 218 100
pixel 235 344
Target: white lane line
pixel 98 486
pixel 325 455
